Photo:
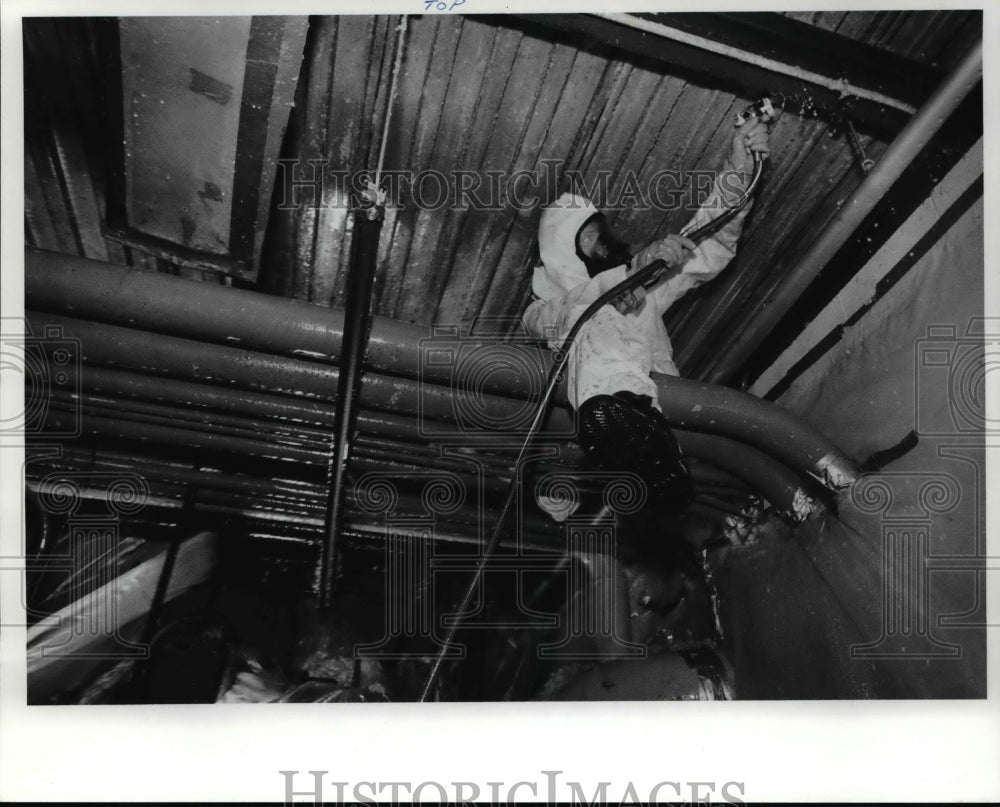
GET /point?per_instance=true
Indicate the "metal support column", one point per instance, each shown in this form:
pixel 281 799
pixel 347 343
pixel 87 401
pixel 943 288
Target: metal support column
pixel 357 325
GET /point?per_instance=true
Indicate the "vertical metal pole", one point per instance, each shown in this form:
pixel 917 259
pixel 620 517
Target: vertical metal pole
pixel 357 324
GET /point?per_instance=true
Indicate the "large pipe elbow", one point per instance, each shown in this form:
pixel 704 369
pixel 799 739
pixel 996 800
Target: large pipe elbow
pixel 696 406
pixel 773 480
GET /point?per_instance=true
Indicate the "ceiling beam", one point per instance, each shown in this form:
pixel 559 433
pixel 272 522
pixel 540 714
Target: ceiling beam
pixel 762 53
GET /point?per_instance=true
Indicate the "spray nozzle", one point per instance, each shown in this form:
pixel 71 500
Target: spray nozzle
pixel 761 108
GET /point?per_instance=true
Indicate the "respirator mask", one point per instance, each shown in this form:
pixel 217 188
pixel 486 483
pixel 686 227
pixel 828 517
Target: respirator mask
pixel 598 248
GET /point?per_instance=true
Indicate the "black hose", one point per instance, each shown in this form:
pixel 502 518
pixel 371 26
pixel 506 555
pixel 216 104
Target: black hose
pixel 647 276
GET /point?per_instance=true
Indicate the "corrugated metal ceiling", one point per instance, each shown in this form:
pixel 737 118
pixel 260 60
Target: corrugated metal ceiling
pixel 474 96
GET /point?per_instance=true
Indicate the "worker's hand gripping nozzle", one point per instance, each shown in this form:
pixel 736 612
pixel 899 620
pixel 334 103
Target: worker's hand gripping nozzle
pixel 761 108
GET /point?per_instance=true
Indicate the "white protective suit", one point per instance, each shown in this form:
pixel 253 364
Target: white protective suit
pixel 614 352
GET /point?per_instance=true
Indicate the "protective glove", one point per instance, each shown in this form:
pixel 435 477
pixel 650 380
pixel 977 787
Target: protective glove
pixel 673 250
pixel 752 136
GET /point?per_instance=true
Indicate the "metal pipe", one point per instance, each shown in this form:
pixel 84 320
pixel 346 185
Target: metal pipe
pixel 204 402
pixel 233 316
pixel 200 396
pixel 779 485
pixel 768 313
pixel 184 358
pixel 255 438
pixel 110 343
pixel 686 404
pixel 125 348
pixel 304 459
pixel 172 488
pixel 697 406
pixel 271 436
pixel 293 461
pixel 357 325
pixel 153 301
pixel 705 473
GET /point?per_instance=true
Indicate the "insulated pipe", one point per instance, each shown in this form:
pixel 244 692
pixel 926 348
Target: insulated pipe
pixel 298 460
pixel 301 504
pixel 712 515
pixel 229 316
pixel 686 404
pixel 378 456
pixel 306 517
pixel 111 344
pixel 704 473
pixel 357 324
pixel 257 438
pixel 125 348
pixel 272 436
pixel 290 460
pixel 253 403
pixel 726 412
pixel 158 302
pixel 205 400
pixel 780 486
pixel 903 150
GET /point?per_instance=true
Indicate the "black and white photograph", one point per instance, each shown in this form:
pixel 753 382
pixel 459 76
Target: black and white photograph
pixel 483 358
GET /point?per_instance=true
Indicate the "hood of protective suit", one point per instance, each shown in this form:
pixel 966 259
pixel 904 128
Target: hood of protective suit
pixel 561 268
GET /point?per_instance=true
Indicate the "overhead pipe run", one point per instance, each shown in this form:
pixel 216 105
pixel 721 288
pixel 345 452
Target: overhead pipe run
pixel 903 150
pixel 230 317
pixel 239 369
pixel 780 486
pixel 305 456
pixel 161 303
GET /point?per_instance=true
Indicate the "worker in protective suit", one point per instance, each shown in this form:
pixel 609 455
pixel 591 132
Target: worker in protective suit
pixel 620 423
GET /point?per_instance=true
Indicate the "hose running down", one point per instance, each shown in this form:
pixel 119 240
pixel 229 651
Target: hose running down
pixel 648 276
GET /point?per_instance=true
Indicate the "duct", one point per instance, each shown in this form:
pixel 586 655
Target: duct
pixel 147 300
pixel 357 324
pixel 903 150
